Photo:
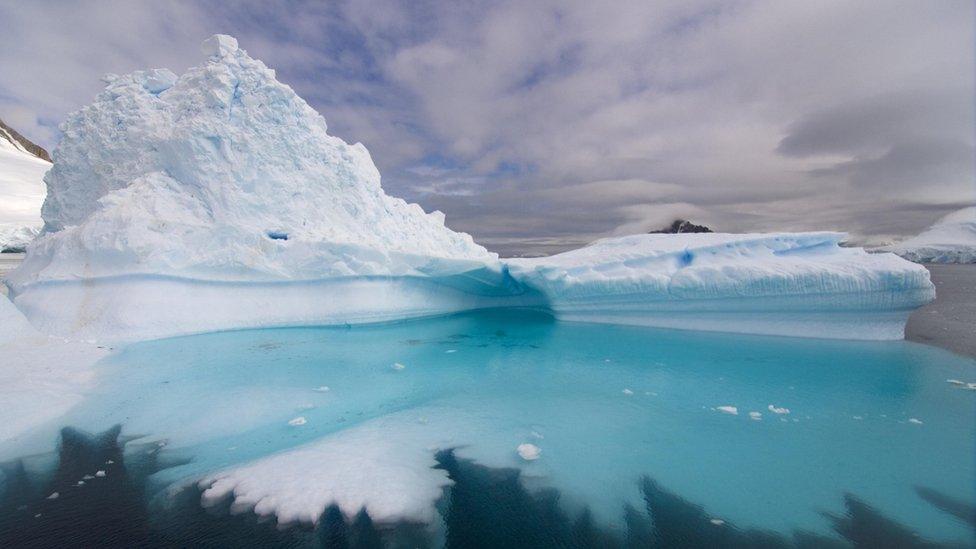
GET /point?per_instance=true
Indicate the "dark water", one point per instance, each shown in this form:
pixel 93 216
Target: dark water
pixel 485 507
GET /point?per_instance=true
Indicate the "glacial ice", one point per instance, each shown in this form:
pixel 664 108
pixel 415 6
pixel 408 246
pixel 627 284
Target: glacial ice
pixel 217 200
pixel 952 239
pixel 796 284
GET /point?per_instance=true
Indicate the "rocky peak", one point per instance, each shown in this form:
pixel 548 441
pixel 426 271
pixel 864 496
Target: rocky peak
pixel 21 142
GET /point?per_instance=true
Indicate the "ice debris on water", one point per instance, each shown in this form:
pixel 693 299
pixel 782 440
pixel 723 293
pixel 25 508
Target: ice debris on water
pixel 87 477
pixel 99 473
pixel 300 420
pixel 728 410
pixel 915 420
pixel 451 351
pixel 955 382
pixel 717 522
pixel 397 366
pixel 775 410
pixel 322 389
pixel 628 392
pixel 529 452
pixel 54 495
pixel 755 416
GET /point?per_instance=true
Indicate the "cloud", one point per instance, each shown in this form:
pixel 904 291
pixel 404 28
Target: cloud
pixel 536 125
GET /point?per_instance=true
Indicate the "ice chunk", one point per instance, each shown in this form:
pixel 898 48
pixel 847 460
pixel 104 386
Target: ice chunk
pixel 159 80
pixel 798 284
pixel 775 410
pixel 717 522
pixel 219 45
pixel 728 410
pixel 915 420
pixel 99 473
pixel 529 452
pixel 397 366
pixel 176 194
pixel 54 495
pixel 298 421
pixel 322 389
pixel 755 416
pixel 628 392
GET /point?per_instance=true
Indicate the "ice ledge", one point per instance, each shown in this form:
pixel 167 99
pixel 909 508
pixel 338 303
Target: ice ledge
pixel 801 284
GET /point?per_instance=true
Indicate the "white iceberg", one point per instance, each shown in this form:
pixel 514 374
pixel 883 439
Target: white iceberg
pixel 951 239
pixel 217 200
pixel 796 284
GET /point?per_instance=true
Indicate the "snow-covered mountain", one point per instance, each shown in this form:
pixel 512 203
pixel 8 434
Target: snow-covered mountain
pixel 951 239
pixel 22 168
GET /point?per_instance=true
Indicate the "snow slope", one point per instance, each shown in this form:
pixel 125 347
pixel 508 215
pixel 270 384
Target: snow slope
pixel 21 193
pixel 41 376
pixel 952 239
pixel 217 200
pixel 794 284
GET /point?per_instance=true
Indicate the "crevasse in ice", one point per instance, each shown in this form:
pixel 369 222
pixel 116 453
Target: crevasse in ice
pixel 217 200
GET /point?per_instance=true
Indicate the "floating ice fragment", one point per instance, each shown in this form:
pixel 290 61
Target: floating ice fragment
pixel 54 495
pixel 109 462
pixel 537 435
pixel 776 410
pixel 728 410
pixel 628 392
pixel 87 477
pixel 37 515
pixel 81 483
pixel 755 416
pixel 451 351
pixel 914 420
pixel 858 418
pixel 300 420
pixel 322 389
pixel 99 473
pixel 219 45
pixel 528 452
pixel 717 522
pixel 397 366
pixel 971 386
pixel 955 382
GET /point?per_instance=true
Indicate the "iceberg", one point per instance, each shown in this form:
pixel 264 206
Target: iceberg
pixel 217 200
pixel 951 239
pixel 792 284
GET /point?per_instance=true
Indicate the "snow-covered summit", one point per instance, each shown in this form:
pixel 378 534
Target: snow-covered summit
pixel 951 239
pixel 223 173
pixel 22 167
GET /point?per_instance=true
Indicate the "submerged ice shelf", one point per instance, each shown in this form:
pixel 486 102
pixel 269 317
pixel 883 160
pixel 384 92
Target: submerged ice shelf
pixel 217 200
pixel 518 378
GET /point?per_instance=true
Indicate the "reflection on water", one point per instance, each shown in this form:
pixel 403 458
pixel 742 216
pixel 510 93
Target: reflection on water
pixel 485 507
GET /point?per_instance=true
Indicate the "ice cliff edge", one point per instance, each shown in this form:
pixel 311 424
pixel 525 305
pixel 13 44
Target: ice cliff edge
pixel 217 200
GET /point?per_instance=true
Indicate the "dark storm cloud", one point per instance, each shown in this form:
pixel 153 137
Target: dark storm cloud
pixel 543 125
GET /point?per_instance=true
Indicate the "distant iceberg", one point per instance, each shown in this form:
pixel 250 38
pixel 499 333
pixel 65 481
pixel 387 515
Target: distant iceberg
pixel 951 239
pixel 217 200
pixel 795 284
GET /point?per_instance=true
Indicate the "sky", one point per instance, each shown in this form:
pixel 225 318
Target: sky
pixel 541 126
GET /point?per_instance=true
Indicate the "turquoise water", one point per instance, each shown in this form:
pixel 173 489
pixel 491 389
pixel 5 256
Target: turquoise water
pixel 606 405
